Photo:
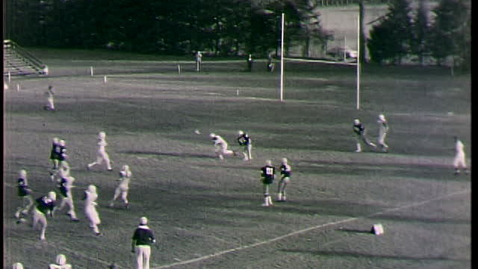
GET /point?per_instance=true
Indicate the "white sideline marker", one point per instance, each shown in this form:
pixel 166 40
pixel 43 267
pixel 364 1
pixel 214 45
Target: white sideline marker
pixel 9 77
pixel 91 70
pixel 237 92
pixel 105 79
pixel 179 69
pixel 18 87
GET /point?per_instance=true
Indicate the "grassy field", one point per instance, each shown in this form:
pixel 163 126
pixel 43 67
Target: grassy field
pixel 207 213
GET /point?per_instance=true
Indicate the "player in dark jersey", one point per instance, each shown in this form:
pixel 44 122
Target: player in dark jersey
pixel 267 177
pixel 25 193
pixel 360 135
pixel 55 152
pixel 285 171
pixel 45 206
pixel 65 184
pixel 245 141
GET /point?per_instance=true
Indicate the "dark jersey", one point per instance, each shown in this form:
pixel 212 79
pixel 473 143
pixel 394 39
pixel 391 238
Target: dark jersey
pixel 244 140
pixel 62 187
pixel 359 128
pixel 45 205
pixel 143 236
pixel 23 189
pixel 55 152
pixel 285 170
pixel 268 174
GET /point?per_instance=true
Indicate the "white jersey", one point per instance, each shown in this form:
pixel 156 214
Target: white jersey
pixel 459 147
pixel 219 141
pixel 125 178
pixel 102 145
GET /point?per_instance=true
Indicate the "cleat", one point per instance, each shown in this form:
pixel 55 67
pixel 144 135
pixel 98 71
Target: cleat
pixel 126 206
pixel 111 169
pixel 99 234
pixel 265 204
pixel 42 238
pixel 88 167
pixel 75 220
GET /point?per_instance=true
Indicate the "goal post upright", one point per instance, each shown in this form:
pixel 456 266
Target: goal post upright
pixel 358 62
pixel 282 58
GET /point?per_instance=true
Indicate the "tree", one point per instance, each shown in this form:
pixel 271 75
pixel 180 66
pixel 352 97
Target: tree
pixel 420 30
pixel 450 32
pixel 394 32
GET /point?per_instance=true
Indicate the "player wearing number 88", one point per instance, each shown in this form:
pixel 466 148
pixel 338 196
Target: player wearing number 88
pixel 267 177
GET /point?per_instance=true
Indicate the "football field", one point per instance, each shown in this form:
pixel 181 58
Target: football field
pixel 207 213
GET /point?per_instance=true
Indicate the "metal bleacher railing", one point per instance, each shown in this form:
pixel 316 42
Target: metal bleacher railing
pixel 18 61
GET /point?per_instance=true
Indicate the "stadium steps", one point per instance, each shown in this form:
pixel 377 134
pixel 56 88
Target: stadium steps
pixel 18 61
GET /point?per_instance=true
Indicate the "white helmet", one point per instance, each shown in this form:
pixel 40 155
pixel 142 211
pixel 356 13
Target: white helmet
pixel 55 140
pixel 91 189
pixel 22 173
pixel 212 135
pixel 143 221
pixel 356 121
pixel 102 135
pixel 62 143
pixel 381 117
pixel 17 265
pixel 268 162
pixel 52 196
pixel 60 259
pixel 240 132
pixel 284 160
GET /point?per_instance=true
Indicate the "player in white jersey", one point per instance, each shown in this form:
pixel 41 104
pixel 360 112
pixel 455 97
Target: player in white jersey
pixel 123 186
pixel 25 193
pixel 65 185
pixel 285 171
pixel 382 132
pixel 60 263
pixel 49 94
pixel 220 146
pixel 460 160
pixel 198 61
pixel 102 155
pixel 45 207
pixel 17 265
pixel 90 209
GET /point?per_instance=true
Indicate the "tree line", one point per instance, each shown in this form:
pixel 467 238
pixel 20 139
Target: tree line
pixel 404 32
pixel 234 27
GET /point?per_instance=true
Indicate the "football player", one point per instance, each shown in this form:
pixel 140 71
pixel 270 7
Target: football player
pixel 267 177
pixel 459 161
pixel 25 193
pixel 65 184
pixel 123 186
pixel 60 263
pixel 90 209
pixel 245 141
pixel 285 171
pixel 382 132
pixel 49 94
pixel 102 155
pixel 220 146
pixel 360 135
pixel 45 207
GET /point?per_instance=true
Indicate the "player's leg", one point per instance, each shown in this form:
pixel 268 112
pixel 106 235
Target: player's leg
pixel 357 143
pixel 124 197
pixel 115 196
pixel 99 160
pixel 249 151
pixel 456 164
pixel 139 257
pixel 146 255
pixel 106 158
pixel 71 212
pixel 43 224
pixel 279 190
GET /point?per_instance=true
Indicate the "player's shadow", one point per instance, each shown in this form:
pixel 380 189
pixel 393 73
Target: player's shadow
pixel 355 231
pixel 370 256
pixel 170 154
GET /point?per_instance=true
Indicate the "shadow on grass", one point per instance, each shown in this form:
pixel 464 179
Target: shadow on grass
pixel 370 256
pixel 169 154
pixel 355 231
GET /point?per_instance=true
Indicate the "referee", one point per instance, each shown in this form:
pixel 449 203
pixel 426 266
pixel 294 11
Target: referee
pixel 143 237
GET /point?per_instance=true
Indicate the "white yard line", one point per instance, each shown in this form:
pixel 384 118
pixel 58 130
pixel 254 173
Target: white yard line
pixel 220 253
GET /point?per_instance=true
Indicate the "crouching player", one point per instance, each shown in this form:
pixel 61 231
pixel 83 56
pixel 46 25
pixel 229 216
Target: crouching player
pixel 267 177
pixel 60 263
pixel 45 206
pixel 220 146
pixel 285 171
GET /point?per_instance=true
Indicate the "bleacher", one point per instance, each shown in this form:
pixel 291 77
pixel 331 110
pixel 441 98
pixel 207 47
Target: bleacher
pixel 18 61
